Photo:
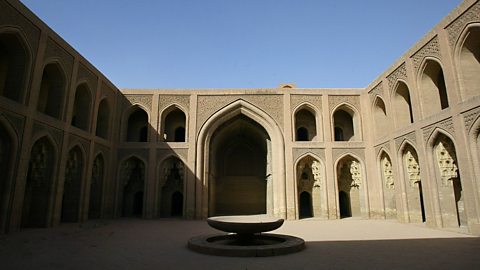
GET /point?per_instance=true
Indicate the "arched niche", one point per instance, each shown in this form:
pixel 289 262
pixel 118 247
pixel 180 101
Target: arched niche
pixel 346 124
pixel 52 91
pixel 103 119
pixel 468 61
pixel 72 185
pixel 402 105
pixel 82 107
pixel 305 124
pixel 433 91
pixel 413 184
pixel 14 64
pixel 8 145
pixel 132 172
pixel 137 125
pixel 96 187
pixel 380 118
pixel 448 180
pixel 171 187
pixel 350 184
pixel 310 184
pixel 388 183
pixel 39 184
pixel 174 125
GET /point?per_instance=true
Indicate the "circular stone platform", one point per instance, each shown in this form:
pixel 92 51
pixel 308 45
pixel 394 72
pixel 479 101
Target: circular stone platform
pixel 247 240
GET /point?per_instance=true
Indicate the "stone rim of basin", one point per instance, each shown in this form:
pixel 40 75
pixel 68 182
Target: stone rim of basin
pixel 249 224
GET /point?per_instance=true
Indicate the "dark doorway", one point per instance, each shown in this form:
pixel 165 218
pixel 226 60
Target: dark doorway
pixel 345 208
pixel 305 205
pixel 422 206
pixel 457 190
pixel 338 134
pixel 138 204
pixel 143 134
pixel 180 134
pixel 177 204
pixel 302 134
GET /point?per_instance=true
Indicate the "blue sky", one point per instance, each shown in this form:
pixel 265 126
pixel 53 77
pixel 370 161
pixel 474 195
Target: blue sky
pixel 241 43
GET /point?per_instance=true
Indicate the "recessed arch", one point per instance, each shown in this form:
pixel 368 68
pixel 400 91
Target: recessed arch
pixel 275 179
pixel 103 119
pixel 402 105
pixel 351 187
pixel 380 117
pixel 15 63
pixel 346 124
pixel 171 187
pixel 174 124
pixel 40 182
pixel 82 107
pixel 74 171
pixel 310 181
pixel 8 150
pixel 97 187
pixel 388 183
pixel 432 87
pixel 305 119
pixel 52 90
pixel 137 124
pixel 467 58
pixel 132 186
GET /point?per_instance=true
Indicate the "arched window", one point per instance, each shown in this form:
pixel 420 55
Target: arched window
pixel 380 117
pixel 433 90
pixel 305 125
pixel 81 107
pixel 52 91
pixel 339 134
pixel 343 120
pixel 173 125
pixel 103 119
pixel 14 62
pixel 470 63
pixel 137 126
pixel 402 105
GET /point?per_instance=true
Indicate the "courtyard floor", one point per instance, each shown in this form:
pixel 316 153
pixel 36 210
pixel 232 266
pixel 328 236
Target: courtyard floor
pixel 161 244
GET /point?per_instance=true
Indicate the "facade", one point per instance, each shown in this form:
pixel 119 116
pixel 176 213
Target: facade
pixel 73 147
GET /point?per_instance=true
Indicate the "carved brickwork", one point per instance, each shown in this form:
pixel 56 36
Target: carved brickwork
pixel 334 101
pixel 208 105
pixel 383 146
pixel 98 170
pixel 54 50
pixel 446 163
pixel 298 152
pixel 430 49
pixel 40 165
pixel 360 153
pixel 398 73
pixel 74 167
pixel 446 125
pixel 317 174
pixel 355 171
pixel 413 169
pixel 145 100
pixel 309 174
pixel 133 171
pixel 411 137
pixel 11 16
pixel 470 117
pixel 165 101
pixel 315 100
pixel 84 74
pixel 456 27
pixel 388 173
pixel 377 90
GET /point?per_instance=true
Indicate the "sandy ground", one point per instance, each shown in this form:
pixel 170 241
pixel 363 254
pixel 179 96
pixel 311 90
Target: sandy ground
pixel 161 244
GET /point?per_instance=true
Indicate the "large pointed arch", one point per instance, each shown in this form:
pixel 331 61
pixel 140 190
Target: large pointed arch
pixel 467 59
pixel 381 120
pixel 132 175
pixel 402 104
pixel 51 98
pixel 277 177
pixel 73 184
pixel 432 87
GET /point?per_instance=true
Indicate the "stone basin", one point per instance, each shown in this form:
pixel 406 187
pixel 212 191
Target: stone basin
pixel 245 225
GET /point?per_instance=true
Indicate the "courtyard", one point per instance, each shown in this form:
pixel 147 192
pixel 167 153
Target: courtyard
pixel 161 244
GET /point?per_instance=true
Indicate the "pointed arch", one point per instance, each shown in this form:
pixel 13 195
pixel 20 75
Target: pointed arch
pixel 136 124
pixel 275 177
pixel 15 63
pixel 306 123
pixel 310 179
pixel 72 187
pixel 81 107
pixel 174 124
pixel 103 119
pixel 402 104
pixel 388 179
pixel 351 186
pixel 51 98
pixel 171 185
pixel 97 187
pixel 432 87
pixel 132 175
pixel 467 58
pixel 346 123
pixel 41 178
pixel 380 117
